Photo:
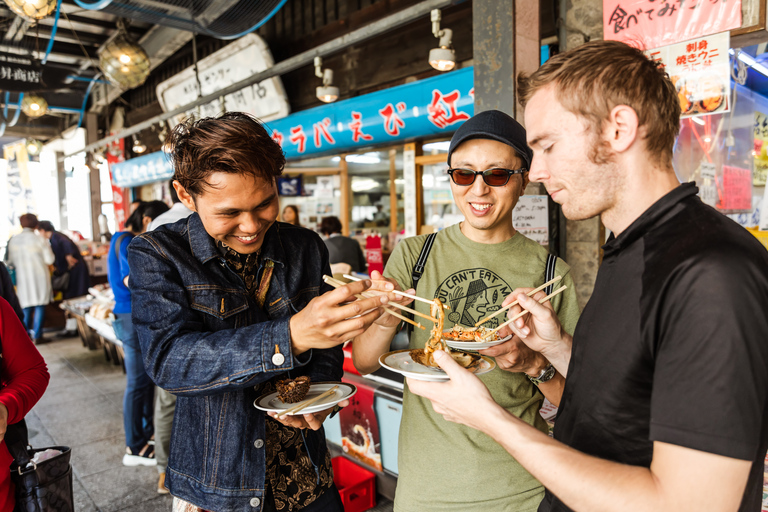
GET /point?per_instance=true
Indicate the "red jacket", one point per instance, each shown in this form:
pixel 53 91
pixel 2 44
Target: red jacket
pixel 23 379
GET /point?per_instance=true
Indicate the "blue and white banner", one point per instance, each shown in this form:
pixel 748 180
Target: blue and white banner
pixel 142 170
pixel 419 109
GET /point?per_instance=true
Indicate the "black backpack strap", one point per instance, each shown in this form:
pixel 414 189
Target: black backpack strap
pixel 422 261
pixel 549 274
pixel 418 270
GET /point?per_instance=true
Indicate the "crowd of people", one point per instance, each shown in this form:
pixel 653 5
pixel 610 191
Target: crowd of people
pixel 661 382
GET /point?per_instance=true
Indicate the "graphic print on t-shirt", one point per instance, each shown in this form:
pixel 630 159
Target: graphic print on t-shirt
pixel 473 294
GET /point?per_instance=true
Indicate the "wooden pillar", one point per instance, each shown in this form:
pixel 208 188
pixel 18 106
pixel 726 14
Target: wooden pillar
pixel 527 43
pixel 344 203
pixel 419 189
pixel 392 191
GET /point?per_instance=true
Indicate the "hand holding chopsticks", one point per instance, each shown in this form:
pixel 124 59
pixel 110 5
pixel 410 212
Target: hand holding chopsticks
pixel 337 284
pixel 402 294
pixel 523 312
pixel 556 279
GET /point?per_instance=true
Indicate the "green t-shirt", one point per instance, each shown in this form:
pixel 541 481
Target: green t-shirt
pixel 449 467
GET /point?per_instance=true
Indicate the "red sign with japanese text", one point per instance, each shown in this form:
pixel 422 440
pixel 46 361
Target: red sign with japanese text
pixel 373 254
pixel 653 23
pixel 737 189
pixel 120 200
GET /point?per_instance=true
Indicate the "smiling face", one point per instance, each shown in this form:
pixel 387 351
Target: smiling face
pixel 487 210
pixel 236 209
pixel 564 154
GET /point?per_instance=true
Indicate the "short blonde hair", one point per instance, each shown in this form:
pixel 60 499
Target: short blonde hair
pixel 592 79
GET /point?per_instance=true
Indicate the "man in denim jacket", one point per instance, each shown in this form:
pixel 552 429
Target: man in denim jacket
pixel 225 303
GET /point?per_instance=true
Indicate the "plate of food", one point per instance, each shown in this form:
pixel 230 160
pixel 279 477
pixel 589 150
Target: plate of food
pixel 293 392
pixel 472 338
pixel 402 362
pixel 420 364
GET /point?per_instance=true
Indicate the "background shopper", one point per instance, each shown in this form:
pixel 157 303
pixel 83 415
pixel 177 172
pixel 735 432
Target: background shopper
pixel 31 256
pixel 68 259
pixel 291 215
pixel 342 249
pixel 138 400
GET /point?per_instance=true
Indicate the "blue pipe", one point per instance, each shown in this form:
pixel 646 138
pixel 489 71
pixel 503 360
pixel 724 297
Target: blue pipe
pixel 84 79
pixel 53 32
pixel 3 124
pixel 18 111
pixel 100 4
pixel 85 102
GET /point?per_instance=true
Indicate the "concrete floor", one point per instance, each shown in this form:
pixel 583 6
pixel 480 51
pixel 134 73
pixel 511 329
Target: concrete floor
pixel 82 408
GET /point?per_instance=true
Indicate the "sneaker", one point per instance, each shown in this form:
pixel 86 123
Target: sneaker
pixel 161 488
pixel 146 457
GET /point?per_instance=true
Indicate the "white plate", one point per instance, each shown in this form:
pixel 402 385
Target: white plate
pixel 474 345
pixel 400 362
pixel 270 403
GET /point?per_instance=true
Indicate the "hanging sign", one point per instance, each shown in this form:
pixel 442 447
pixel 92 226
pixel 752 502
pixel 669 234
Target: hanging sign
pixel 21 74
pixel 437 105
pixel 233 63
pixel 120 202
pixel 142 170
pixel 700 70
pixel 654 23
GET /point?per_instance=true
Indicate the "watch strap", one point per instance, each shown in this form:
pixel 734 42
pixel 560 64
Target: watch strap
pixel 546 375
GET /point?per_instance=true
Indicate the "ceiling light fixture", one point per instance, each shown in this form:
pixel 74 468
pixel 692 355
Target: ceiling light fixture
pixel 34 106
pixel 326 92
pixel 442 58
pixel 32 10
pixel 34 147
pixel 138 147
pixel 123 61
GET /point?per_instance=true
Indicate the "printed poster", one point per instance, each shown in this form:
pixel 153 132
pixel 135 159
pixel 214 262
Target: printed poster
pixel 700 70
pixel 760 150
pixel 655 23
pixel 531 218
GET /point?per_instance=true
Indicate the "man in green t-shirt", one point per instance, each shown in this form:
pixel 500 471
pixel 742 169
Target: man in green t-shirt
pixel 472 267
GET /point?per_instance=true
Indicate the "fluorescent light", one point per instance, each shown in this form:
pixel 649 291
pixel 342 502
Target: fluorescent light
pixel 697 120
pixel 364 184
pixel 365 158
pixel 751 62
pixel 437 146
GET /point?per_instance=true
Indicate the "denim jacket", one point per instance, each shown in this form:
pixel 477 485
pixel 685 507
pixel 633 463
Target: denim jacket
pixel 205 340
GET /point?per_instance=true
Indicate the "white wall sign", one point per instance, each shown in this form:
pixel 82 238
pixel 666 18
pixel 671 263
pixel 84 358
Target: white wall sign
pixel 235 62
pixel 409 192
pixel 531 218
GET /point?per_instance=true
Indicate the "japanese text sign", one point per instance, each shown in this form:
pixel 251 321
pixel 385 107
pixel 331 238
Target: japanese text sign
pixel 654 23
pixel 20 74
pixel 142 170
pixel 427 107
pixel 737 189
pixel 760 150
pixel 700 70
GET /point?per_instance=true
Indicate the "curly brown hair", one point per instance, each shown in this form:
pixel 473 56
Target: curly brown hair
pixel 592 79
pixel 234 142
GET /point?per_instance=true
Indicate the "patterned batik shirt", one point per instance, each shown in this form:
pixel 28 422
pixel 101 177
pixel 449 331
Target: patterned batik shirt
pixel 290 475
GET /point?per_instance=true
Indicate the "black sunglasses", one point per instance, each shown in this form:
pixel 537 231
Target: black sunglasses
pixel 496 177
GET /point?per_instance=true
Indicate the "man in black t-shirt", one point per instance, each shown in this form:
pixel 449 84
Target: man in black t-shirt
pixel 665 404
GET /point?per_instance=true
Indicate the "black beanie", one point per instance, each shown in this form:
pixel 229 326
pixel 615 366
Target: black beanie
pixel 494 125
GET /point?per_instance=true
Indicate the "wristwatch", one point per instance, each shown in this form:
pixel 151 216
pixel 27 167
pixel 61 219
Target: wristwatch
pixel 545 375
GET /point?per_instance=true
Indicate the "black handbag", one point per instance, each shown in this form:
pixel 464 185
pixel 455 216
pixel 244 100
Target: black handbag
pixel 60 282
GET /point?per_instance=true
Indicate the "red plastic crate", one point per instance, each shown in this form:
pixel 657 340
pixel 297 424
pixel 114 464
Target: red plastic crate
pixel 355 484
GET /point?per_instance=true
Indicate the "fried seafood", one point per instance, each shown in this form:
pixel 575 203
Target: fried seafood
pixel 291 391
pixel 436 342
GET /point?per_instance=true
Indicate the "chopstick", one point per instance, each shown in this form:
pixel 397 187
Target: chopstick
pixel 302 405
pixel 403 294
pixel 556 279
pixel 337 284
pixel 525 311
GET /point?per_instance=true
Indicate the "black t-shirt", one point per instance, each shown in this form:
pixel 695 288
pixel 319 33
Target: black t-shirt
pixel 673 344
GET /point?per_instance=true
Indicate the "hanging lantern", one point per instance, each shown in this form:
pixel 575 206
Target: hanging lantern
pixel 124 62
pixel 32 10
pixel 34 147
pixel 34 106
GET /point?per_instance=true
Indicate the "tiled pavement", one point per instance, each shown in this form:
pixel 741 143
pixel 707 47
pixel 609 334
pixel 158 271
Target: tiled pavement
pixel 83 409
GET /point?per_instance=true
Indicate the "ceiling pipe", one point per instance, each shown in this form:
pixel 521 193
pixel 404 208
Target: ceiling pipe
pixel 374 29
